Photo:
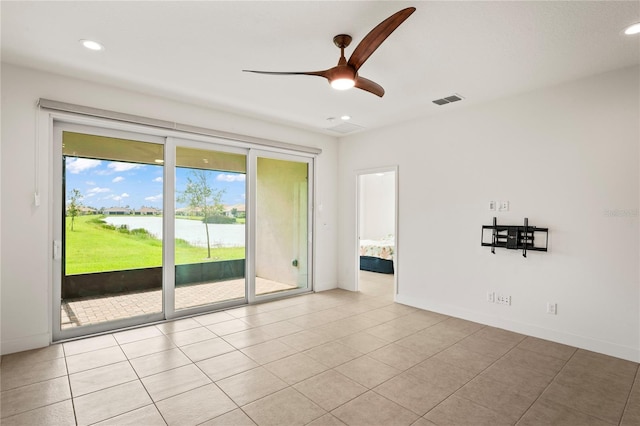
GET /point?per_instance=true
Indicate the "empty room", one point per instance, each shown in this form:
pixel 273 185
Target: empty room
pixel 320 213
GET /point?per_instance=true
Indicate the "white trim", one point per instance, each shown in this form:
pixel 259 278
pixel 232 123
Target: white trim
pixel 168 229
pixel 26 343
pixel 625 352
pixel 250 225
pixel 358 175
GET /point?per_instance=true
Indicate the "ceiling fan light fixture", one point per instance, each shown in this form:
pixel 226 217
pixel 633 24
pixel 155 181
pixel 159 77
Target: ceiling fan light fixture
pixel 343 83
pixel 92 45
pixel 633 29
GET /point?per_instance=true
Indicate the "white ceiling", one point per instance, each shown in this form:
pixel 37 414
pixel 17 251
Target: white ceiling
pixel 195 51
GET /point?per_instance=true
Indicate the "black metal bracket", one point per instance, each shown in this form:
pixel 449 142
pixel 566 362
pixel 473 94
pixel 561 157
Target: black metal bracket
pixel 515 237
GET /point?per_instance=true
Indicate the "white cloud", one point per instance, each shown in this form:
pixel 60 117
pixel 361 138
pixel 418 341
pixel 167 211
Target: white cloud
pixel 90 182
pixel 158 179
pixel 123 167
pixel 97 190
pixel 154 198
pixel 231 178
pixel 117 179
pixel 78 165
pixel 117 197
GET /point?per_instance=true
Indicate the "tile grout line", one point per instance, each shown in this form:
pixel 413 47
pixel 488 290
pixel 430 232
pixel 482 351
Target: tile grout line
pixel 551 382
pixel 73 402
pixel 140 379
pixel 634 385
pixel 477 375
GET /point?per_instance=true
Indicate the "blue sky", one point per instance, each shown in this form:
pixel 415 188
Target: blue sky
pixel 105 183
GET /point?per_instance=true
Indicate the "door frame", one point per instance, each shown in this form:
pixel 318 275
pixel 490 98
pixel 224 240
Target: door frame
pixel 58 205
pixel 254 154
pixel 168 256
pixel 50 124
pixel 356 244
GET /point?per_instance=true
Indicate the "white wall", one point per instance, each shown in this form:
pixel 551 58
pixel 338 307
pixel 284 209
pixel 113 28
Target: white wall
pixel 566 157
pixel 26 230
pixel 378 205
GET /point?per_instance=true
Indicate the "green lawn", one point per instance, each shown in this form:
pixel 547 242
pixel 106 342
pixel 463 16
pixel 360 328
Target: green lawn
pixel 90 247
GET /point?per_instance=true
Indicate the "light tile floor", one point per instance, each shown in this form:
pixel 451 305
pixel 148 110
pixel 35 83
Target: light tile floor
pixel 329 358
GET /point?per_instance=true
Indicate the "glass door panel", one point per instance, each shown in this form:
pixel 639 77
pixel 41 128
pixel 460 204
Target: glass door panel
pixel 282 226
pixel 209 227
pixel 111 242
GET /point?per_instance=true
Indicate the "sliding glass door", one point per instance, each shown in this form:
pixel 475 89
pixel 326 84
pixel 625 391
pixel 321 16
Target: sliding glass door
pixel 151 227
pixel 108 243
pixel 282 224
pixel 209 226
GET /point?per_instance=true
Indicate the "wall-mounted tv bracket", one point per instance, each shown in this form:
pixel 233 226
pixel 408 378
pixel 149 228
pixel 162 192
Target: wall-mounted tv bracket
pixel 515 237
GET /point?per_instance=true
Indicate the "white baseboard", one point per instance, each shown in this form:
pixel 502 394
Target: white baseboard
pixel 608 348
pixel 25 343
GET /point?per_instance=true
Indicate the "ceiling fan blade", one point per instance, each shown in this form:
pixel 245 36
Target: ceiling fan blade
pixel 369 86
pixel 317 73
pixel 376 36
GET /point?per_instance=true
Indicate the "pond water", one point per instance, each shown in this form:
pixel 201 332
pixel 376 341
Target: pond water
pixel 192 231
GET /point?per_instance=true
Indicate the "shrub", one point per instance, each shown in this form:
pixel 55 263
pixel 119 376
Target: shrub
pixel 219 219
pixel 140 232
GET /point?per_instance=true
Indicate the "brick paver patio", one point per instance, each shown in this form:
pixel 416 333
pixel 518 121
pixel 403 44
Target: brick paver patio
pixel 93 310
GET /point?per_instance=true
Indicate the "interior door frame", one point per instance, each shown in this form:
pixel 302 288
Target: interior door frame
pixel 396 255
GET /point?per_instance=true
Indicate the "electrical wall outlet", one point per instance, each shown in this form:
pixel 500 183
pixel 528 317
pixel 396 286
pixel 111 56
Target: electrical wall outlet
pixel 503 206
pixel 552 308
pixel 491 297
pixel 503 299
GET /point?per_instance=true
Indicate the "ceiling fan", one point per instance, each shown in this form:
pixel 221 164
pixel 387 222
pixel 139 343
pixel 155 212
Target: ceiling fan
pixel 345 75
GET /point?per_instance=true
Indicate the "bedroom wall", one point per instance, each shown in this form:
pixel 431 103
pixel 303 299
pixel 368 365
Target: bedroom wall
pixel 25 254
pixel 566 157
pixel 378 205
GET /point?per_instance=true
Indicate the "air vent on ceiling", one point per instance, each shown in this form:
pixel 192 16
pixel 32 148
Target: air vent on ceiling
pixel 449 99
pixel 345 128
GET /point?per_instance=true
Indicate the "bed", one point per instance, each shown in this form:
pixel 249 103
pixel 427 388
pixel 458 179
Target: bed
pixel 377 255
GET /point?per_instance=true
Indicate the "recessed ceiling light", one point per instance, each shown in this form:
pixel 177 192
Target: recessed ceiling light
pixel 633 29
pixel 92 45
pixel 345 117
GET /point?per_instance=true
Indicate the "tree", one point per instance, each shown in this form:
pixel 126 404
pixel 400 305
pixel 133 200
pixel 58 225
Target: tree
pixel 200 194
pixel 74 205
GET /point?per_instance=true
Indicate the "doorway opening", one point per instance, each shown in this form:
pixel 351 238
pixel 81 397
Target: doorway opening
pixel 377 245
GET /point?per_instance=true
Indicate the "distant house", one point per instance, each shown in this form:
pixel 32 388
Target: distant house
pixel 189 211
pixel 86 210
pixel 148 211
pixel 117 211
pixel 236 210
